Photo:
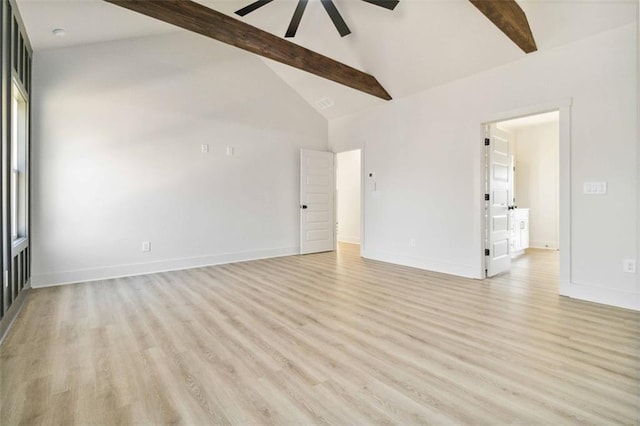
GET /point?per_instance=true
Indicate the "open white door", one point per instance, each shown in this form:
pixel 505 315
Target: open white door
pixel 317 188
pixel 498 258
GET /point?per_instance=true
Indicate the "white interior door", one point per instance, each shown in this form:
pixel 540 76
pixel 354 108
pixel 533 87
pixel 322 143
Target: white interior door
pixel 498 258
pixel 317 189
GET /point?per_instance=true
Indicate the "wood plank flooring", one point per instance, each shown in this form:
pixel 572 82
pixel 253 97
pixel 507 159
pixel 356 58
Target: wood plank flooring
pixel 321 339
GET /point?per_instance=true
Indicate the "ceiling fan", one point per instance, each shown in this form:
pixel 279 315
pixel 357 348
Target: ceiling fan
pixel 329 6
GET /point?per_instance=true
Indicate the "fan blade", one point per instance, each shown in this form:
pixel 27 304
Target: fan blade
pixel 195 17
pixel 253 6
pixel 335 16
pixel 387 4
pixel 509 17
pixel 295 20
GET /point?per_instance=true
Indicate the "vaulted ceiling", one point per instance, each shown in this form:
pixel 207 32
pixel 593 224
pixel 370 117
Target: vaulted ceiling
pixel 421 44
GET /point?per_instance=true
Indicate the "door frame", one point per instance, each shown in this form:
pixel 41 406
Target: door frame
pixel 362 206
pixel 564 201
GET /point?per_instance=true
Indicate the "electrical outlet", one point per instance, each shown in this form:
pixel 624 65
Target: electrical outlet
pixel 629 265
pixel 229 151
pixel 204 148
pixel 146 246
pixel 412 242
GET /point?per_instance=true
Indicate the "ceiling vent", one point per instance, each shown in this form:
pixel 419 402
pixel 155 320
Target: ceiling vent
pixel 324 103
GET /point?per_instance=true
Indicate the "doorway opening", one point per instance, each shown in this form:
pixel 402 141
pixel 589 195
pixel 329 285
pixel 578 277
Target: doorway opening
pixel 522 196
pixel 349 200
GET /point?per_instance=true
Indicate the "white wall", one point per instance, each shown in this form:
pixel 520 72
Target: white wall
pixel 348 200
pixel 117 159
pixel 537 185
pixel 638 150
pixel 426 151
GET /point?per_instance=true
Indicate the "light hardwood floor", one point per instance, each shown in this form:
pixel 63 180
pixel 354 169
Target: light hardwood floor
pixel 321 339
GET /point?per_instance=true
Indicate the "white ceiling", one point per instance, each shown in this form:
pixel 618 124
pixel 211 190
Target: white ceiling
pixel 421 44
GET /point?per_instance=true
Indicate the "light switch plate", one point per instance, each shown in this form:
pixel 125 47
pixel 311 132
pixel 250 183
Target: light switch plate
pixel 595 188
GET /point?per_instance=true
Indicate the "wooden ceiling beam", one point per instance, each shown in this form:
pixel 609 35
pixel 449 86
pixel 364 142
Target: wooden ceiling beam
pixel 200 19
pixel 509 17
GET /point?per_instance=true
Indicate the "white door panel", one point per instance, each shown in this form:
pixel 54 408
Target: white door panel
pixel 499 187
pixel 317 190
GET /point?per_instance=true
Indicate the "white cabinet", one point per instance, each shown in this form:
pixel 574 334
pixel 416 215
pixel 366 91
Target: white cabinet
pixel 519 219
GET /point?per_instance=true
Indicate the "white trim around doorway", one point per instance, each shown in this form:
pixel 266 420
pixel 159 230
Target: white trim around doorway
pixel 564 205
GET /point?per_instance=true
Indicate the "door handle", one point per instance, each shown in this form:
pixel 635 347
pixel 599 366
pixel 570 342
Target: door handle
pixel 303 207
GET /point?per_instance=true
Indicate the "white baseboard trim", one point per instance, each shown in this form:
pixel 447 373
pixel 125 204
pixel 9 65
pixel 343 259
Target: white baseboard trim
pixel 348 239
pixel 39 280
pixel 457 269
pixel 544 245
pixel 603 295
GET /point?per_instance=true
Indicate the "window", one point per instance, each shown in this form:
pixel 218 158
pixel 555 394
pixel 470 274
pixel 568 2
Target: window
pixel 18 165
